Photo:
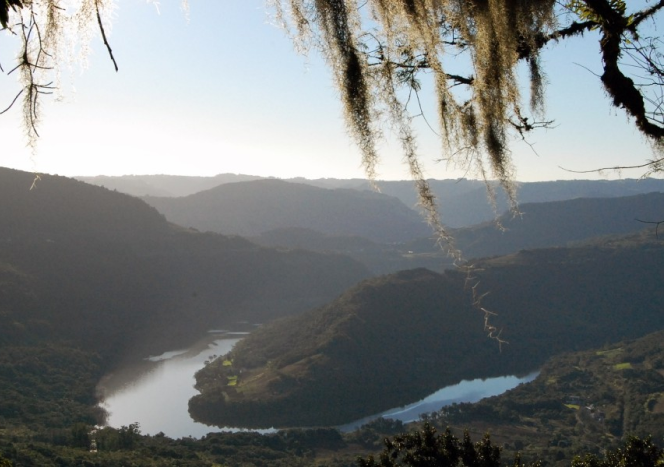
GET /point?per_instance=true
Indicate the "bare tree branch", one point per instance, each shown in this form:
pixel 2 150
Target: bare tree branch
pixel 103 35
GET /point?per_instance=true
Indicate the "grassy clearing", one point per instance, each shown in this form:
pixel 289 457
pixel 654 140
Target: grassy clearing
pixel 609 353
pixel 622 366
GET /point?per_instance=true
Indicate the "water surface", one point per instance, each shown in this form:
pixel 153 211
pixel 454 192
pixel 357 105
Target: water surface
pixel 465 391
pixel 155 391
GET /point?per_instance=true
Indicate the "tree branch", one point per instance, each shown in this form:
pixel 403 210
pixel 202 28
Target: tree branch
pixel 103 35
pixel 621 88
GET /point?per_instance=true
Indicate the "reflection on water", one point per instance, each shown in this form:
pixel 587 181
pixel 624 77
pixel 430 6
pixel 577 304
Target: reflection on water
pixel 465 391
pixel 155 392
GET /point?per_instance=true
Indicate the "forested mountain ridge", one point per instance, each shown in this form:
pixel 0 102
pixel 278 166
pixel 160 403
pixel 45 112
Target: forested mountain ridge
pixel 251 208
pixel 90 277
pixel 60 209
pixel 394 339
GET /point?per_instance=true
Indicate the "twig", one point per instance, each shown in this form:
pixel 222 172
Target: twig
pixel 103 35
pixel 13 102
pixel 615 168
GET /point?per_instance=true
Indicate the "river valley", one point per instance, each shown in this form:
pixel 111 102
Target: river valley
pixel 154 392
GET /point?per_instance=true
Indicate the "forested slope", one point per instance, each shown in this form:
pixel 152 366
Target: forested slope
pixel 392 340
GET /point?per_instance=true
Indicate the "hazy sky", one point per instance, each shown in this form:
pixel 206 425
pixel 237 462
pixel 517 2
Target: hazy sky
pixel 226 93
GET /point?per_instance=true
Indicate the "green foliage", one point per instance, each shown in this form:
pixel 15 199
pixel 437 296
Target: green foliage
pixel 49 385
pixel 636 452
pixel 578 404
pixel 581 9
pixel 426 448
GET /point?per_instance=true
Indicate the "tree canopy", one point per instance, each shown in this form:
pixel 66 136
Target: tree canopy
pixel 380 50
pixel 425 447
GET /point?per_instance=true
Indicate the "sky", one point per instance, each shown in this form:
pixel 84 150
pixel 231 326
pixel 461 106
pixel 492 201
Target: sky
pixel 223 91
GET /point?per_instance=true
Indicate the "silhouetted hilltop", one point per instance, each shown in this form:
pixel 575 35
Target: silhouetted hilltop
pixel 251 208
pixel 60 209
pixel 164 185
pixel 394 339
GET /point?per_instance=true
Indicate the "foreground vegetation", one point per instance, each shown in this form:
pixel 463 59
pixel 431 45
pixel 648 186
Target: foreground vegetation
pixel 426 448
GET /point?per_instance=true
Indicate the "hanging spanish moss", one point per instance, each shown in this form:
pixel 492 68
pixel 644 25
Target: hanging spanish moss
pixel 376 48
pixel 53 34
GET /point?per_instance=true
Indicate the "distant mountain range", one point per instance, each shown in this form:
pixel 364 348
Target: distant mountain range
pixel 163 185
pixel 252 208
pixel 559 223
pixel 394 339
pixel 540 225
pixel 462 202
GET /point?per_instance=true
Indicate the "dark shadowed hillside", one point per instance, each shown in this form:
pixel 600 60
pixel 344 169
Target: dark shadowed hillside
pixel 380 258
pixel 251 208
pixel 559 223
pixel 394 339
pixel 107 272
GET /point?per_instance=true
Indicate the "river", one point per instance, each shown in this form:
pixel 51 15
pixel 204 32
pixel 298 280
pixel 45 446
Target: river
pixel 155 391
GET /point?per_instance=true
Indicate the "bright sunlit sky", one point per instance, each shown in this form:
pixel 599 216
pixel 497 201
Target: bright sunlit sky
pixel 226 93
